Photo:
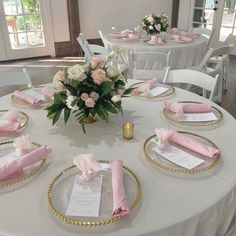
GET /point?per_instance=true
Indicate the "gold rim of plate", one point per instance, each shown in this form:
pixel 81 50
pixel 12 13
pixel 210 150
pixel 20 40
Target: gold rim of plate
pixel 18 102
pixel 72 221
pixel 23 177
pixel 22 125
pixel 169 92
pixel 198 123
pixel 181 170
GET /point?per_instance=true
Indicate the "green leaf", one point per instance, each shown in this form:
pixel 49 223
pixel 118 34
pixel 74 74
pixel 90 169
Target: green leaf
pixel 110 107
pixel 74 84
pixel 66 114
pixel 58 99
pixel 102 113
pixel 93 112
pixel 106 87
pixel 56 117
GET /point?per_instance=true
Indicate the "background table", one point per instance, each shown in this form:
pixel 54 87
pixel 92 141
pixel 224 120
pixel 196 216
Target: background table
pixel 182 55
pixel 170 205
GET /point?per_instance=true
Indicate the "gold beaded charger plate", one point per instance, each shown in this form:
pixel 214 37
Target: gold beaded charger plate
pixel 167 93
pixel 60 188
pixel 21 103
pixel 6 148
pixel 170 116
pixel 171 167
pixel 23 120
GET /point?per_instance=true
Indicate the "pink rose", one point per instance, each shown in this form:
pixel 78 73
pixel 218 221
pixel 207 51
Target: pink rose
pixel 84 96
pixel 95 62
pixel 94 96
pixel 99 76
pixel 90 102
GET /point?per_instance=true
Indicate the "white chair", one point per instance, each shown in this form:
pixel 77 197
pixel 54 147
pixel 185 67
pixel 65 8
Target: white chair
pixel 149 65
pixel 202 80
pixel 9 78
pixel 209 34
pixel 91 50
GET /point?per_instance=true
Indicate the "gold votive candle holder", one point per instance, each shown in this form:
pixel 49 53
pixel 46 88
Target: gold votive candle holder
pixel 128 130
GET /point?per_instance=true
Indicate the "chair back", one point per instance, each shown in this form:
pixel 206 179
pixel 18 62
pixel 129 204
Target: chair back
pixel 209 34
pixel 192 77
pixel 149 65
pixel 231 39
pixel 9 78
pixel 83 42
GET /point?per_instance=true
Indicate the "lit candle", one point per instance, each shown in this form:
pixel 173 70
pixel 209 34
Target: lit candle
pixel 128 130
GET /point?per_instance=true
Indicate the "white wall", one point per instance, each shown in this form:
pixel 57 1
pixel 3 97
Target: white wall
pixel 59 17
pixel 103 14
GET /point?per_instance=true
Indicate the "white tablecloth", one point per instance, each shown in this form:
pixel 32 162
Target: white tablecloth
pixel 183 55
pixel 190 206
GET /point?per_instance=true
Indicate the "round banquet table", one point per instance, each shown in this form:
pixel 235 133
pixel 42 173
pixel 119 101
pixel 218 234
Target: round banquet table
pixel 182 55
pixel 170 205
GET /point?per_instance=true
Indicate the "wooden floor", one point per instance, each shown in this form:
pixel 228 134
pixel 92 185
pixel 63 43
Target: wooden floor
pixel 42 70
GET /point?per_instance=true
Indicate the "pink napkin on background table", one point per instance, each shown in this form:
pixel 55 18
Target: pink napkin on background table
pixel 120 206
pixel 145 87
pixel 130 38
pixel 27 98
pixel 117 35
pixel 23 161
pixel 181 108
pixel 165 135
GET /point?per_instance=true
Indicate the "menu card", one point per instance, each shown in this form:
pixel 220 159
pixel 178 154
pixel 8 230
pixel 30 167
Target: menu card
pixel 34 94
pixel 198 117
pixel 85 197
pixel 179 157
pixel 158 90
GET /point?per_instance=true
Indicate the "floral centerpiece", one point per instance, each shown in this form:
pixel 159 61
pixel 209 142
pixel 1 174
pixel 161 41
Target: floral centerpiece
pixel 154 24
pixel 89 90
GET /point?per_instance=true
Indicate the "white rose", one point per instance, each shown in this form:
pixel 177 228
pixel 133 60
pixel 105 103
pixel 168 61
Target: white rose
pixel 76 72
pixel 58 85
pixel 112 71
pixel 151 27
pixel 116 98
pixel 150 19
pixel 59 76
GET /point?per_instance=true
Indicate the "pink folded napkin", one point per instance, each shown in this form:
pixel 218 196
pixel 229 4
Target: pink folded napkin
pixel 117 35
pixel 9 122
pixel 188 34
pixel 185 39
pixel 145 87
pixel 130 38
pixel 165 135
pixel 127 31
pixel 27 98
pixel 174 30
pixel 26 160
pixel 120 206
pixel 87 165
pixel 181 108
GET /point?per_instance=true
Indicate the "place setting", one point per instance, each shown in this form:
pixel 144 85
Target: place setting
pixel 181 153
pixel 93 193
pixel 37 97
pixel 12 122
pixel 20 159
pixel 151 89
pixel 192 114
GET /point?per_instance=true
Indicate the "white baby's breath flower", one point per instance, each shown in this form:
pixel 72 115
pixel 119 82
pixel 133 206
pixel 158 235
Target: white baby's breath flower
pixel 76 72
pixel 70 99
pixel 151 27
pixel 150 19
pixel 116 98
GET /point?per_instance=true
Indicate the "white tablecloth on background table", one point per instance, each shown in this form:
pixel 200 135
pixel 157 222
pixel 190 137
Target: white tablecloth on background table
pixel 190 206
pixel 183 55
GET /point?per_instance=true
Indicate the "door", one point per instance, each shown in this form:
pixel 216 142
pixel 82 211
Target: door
pixel 215 14
pixel 24 28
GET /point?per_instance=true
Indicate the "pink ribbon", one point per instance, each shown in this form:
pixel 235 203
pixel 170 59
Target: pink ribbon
pixel 180 108
pixel 120 206
pixel 145 87
pixel 87 165
pixel 165 135
pixel 27 98
pixel 26 160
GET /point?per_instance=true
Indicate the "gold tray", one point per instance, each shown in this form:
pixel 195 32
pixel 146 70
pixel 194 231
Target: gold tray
pixel 166 165
pixel 20 103
pixel 29 171
pixel 169 92
pixel 169 115
pixel 59 191
pixel 23 119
